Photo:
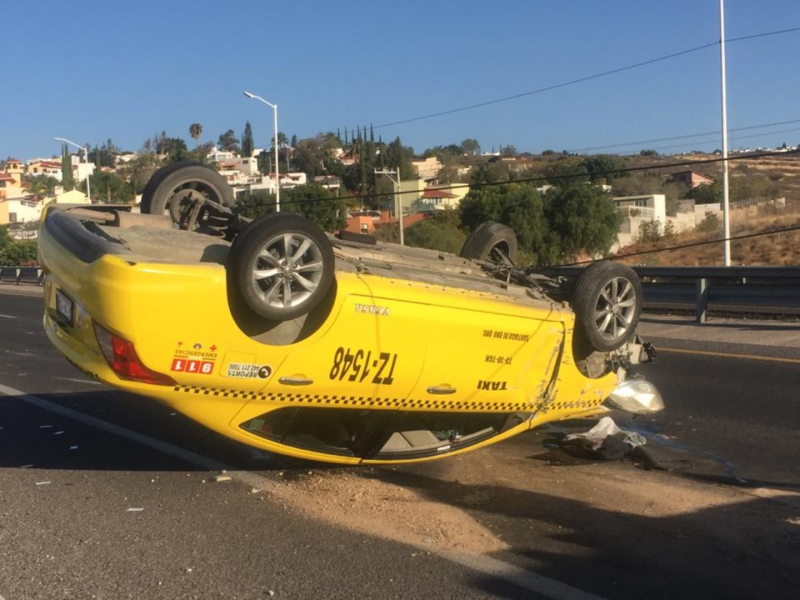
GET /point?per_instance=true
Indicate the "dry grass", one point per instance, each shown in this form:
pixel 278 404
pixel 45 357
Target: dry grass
pixel 780 249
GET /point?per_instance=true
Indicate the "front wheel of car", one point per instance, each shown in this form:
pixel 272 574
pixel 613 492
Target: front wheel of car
pixel 607 300
pixel 281 266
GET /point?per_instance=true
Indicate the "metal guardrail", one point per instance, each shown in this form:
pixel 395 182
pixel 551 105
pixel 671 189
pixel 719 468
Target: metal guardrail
pixel 729 290
pixel 22 275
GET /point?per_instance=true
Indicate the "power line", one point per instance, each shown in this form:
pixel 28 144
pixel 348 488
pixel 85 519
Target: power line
pixel 716 140
pixel 546 178
pixel 683 137
pixel 582 79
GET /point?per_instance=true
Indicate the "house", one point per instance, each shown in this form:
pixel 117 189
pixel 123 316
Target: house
pixel 329 182
pixel 636 210
pixel 49 168
pixel 71 197
pixel 15 168
pixel 9 186
pixel 427 168
pixel 691 178
pixel 438 199
pixel 20 210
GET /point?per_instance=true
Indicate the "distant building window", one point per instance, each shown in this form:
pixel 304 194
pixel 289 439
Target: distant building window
pixel 12 217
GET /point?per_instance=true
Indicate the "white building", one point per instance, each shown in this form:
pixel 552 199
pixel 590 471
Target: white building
pixel 637 210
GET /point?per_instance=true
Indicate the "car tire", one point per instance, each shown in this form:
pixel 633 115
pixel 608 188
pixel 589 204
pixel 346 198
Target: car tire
pixel 156 179
pixel 168 182
pixel 607 300
pixel 260 268
pixel 492 242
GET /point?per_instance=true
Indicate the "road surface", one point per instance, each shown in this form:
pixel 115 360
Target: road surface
pixel 107 495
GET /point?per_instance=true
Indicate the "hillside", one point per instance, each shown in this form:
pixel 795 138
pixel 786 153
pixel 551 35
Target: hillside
pixel 782 249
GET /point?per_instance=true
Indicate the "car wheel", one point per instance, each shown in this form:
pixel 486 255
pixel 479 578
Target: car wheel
pixel 175 189
pixel 493 242
pixel 157 178
pixel 281 266
pixel 607 300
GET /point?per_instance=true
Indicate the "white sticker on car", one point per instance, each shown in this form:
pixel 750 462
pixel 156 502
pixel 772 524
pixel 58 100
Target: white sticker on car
pixel 248 371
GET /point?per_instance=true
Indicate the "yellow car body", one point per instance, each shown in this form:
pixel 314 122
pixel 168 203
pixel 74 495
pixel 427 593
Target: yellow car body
pixel 386 346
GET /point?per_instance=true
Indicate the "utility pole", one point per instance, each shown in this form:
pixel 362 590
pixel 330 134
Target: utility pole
pixel 397 197
pixel 726 217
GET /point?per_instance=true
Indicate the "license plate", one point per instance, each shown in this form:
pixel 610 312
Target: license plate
pixel 64 306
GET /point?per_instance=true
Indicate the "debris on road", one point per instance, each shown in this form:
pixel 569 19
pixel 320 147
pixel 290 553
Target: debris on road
pixel 221 478
pixel 59 432
pixel 45 426
pixel 605 441
pixel 43 483
pixel 73 447
pixel 132 509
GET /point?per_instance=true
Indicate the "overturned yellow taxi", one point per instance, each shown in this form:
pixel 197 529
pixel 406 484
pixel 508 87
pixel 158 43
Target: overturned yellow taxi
pixel 340 350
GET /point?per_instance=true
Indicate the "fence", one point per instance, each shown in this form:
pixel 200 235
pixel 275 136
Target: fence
pixel 21 275
pixel 729 290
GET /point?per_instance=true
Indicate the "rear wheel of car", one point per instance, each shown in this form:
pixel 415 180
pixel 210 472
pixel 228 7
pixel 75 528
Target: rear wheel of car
pixel 281 266
pixel 607 300
pixel 176 189
pixel 492 242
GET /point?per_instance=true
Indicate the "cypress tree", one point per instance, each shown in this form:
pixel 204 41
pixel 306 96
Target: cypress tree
pixel 66 169
pixel 247 141
pixel 371 134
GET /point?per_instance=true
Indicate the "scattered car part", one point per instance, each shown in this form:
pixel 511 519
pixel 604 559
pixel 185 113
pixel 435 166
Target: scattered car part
pixel 637 396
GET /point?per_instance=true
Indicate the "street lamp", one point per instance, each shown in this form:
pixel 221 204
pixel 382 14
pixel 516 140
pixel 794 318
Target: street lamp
pixel 86 156
pixel 726 214
pixel 277 168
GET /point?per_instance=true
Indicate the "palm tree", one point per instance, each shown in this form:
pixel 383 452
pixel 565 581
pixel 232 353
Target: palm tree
pixel 196 130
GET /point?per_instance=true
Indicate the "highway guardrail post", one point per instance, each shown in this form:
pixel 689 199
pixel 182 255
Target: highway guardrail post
pixel 702 300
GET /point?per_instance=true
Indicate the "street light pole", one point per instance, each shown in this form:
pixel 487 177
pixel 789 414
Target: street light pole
pixel 86 157
pixel 398 199
pixel 726 219
pixel 277 166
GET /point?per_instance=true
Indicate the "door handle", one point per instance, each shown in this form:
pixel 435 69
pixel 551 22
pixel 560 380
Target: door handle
pixel 295 381
pixel 441 390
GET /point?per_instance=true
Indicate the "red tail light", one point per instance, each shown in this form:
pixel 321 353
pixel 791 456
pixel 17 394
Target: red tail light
pixel 123 360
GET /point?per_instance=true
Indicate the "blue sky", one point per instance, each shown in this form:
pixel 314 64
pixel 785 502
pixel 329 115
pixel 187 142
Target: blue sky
pixel 100 69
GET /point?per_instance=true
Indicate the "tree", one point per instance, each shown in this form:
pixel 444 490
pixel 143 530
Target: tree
pixel 196 130
pixel 256 203
pixel 518 205
pixel 20 253
pixel 174 148
pixel 42 186
pixel 316 203
pixel 509 150
pixel 582 218
pixel 66 169
pixel 228 141
pixel 400 157
pixel 247 141
pixel 5 237
pixel 110 188
pixel 602 167
pixel 294 140
pixel 707 193
pixel 471 146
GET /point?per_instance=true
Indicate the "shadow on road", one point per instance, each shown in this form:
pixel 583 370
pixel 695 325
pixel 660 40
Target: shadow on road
pixel 33 437
pixel 743 549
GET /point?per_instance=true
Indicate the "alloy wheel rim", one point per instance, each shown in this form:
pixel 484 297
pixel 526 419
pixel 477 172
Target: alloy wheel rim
pixel 287 270
pixel 615 309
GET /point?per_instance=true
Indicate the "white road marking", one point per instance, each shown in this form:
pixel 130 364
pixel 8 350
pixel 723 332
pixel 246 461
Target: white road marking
pixel 7 317
pixel 528 580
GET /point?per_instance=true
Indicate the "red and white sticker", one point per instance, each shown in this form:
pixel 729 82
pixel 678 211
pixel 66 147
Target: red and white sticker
pixel 191 365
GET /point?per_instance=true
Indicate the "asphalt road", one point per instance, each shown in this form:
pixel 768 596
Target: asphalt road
pixel 67 489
